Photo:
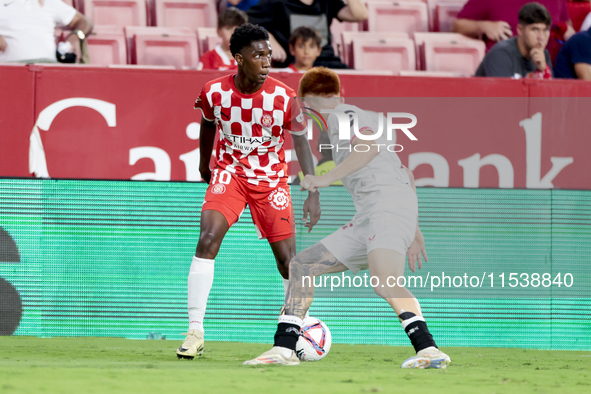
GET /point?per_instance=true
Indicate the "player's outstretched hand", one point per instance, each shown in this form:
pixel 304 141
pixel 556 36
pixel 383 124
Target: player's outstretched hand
pixel 415 250
pixel 312 183
pixel 312 207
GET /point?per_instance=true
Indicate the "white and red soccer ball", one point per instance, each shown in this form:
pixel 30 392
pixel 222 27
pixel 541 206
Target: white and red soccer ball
pixel 315 340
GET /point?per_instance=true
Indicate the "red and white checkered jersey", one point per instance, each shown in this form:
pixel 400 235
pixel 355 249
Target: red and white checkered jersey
pixel 252 127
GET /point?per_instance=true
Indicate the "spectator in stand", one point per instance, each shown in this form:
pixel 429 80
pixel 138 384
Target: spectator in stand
pixel 27 29
pixel 524 55
pixel 304 46
pixel 574 59
pixel 220 58
pixel 496 20
pixel 281 18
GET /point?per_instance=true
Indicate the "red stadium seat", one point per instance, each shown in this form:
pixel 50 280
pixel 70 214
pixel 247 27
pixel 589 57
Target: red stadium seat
pixel 420 39
pixel 106 45
pixel 337 28
pixel 432 5
pixel 449 52
pixel 116 12
pixel 445 13
pixel 186 13
pixel 207 38
pixel 389 54
pixel 162 46
pixel 398 16
pixel 347 38
pixel 430 8
pixel 578 11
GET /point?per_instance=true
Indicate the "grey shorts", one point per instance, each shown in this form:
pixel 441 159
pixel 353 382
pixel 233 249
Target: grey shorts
pixel 352 243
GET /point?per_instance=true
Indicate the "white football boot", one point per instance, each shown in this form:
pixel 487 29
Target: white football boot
pixel 277 355
pixel 192 345
pixel 427 358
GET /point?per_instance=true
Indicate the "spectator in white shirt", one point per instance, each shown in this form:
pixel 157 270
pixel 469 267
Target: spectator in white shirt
pixel 27 29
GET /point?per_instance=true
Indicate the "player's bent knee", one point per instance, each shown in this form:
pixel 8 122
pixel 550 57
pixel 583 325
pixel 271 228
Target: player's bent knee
pixel 283 269
pixel 208 246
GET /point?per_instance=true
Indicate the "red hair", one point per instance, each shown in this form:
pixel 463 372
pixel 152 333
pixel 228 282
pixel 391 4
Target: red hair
pixel 319 81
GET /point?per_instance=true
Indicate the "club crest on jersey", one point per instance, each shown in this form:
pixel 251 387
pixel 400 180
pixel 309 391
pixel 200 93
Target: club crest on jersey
pixel 279 199
pixel 300 117
pixel 218 188
pixel 267 120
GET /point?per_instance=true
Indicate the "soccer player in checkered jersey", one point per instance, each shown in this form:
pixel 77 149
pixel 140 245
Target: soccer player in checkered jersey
pixel 384 229
pixel 252 111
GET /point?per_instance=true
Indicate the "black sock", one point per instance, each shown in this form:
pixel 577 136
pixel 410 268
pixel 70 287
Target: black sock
pixel 287 335
pixel 417 331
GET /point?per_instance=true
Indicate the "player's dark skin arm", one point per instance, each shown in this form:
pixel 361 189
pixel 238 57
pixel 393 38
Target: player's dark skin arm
pixel 206 140
pixel 285 250
pixel 312 203
pixel 213 225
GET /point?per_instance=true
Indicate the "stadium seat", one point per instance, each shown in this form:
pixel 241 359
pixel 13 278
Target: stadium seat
pixel 118 13
pixel 430 8
pixel 162 46
pixel 432 5
pixel 207 38
pixel 337 28
pixel 420 39
pixel 69 2
pixel 398 16
pixel 347 38
pixel 449 52
pixel 391 54
pixel 106 45
pixel 578 11
pixel 445 13
pixel 186 13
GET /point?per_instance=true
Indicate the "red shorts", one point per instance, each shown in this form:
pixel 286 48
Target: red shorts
pixel 270 207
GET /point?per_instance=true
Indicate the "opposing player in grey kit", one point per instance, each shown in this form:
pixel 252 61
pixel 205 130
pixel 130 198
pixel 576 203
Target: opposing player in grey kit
pixel 384 229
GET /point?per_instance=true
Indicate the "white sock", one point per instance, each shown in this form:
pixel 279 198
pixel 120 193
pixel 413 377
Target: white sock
pixel 291 320
pixel 285 286
pixel 198 286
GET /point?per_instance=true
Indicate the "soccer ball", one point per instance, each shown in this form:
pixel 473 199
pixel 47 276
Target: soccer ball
pixel 315 340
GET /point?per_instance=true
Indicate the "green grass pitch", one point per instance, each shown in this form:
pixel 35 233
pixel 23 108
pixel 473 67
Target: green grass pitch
pixel 113 365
